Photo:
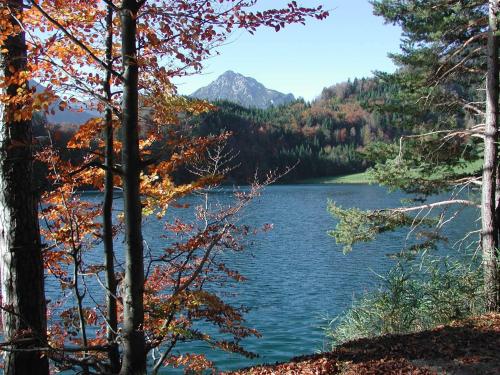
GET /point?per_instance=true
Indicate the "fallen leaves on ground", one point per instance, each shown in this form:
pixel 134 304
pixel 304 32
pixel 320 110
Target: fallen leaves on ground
pixel 469 347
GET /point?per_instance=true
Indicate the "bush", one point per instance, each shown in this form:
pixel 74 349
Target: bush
pixel 414 296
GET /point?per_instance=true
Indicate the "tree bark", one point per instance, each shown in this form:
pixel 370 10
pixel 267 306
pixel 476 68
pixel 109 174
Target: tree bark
pixel 112 327
pixel 134 351
pixel 489 235
pixel 22 276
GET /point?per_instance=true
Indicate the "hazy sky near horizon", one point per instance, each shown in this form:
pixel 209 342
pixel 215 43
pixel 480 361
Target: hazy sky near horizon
pixel 351 43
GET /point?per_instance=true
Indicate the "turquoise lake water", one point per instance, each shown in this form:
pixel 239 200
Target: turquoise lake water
pixel 297 275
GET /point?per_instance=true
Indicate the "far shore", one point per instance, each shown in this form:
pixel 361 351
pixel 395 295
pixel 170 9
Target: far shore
pixel 354 178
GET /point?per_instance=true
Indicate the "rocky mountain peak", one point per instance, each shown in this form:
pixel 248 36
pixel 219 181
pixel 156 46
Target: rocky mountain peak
pixel 245 91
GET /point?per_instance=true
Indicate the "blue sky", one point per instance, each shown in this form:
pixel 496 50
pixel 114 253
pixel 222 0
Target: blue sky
pixel 302 60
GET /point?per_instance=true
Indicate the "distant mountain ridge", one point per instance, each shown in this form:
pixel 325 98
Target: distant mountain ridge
pixel 75 113
pixel 242 90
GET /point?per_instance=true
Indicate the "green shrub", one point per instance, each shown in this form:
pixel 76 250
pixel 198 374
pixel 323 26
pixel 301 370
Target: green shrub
pixel 414 296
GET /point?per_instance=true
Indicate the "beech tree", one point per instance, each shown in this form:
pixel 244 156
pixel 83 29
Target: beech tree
pixel 23 299
pixel 134 346
pixel 107 211
pixel 134 351
pixel 152 41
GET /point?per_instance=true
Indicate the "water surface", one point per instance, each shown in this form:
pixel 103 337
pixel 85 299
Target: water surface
pixel 297 275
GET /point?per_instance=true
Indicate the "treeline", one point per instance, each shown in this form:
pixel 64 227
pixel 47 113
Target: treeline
pixel 321 138
pixel 325 137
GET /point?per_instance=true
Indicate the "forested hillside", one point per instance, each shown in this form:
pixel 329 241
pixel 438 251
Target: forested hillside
pixel 323 138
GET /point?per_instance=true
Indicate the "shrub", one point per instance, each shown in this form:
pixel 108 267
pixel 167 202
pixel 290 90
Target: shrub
pixel 416 294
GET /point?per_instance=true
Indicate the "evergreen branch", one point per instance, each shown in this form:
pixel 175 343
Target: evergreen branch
pixel 475 131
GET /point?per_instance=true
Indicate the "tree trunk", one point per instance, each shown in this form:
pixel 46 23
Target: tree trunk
pixel 22 277
pixel 489 237
pixel 112 327
pixel 134 351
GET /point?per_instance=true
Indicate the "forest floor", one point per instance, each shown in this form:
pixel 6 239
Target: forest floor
pixel 468 347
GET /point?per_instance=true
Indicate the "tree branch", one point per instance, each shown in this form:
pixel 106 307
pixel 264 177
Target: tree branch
pixel 463 202
pixel 95 163
pixel 75 40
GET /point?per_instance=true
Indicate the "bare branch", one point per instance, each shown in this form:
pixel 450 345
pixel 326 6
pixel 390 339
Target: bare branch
pixel 95 163
pixel 463 202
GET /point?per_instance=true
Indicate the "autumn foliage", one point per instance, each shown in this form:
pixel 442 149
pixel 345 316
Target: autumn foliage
pixel 69 55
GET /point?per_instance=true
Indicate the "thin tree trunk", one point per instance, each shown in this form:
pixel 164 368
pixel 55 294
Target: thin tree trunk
pixel 112 327
pixel 79 300
pixel 134 351
pixel 497 206
pixel 22 277
pixel 489 237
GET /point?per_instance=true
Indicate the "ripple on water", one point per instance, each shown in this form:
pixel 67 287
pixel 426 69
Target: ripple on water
pixel 296 274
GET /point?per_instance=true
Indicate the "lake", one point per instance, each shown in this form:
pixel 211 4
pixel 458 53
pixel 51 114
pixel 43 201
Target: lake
pixel 297 275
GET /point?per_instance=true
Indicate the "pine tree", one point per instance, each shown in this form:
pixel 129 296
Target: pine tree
pixel 447 49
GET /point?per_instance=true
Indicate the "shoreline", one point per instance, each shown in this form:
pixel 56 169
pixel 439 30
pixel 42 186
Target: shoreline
pixel 467 347
pixel 361 178
pixel 353 178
